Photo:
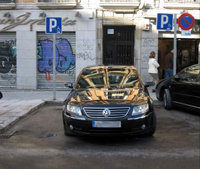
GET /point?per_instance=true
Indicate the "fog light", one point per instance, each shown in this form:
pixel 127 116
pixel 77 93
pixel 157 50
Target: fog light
pixel 143 126
pixel 71 127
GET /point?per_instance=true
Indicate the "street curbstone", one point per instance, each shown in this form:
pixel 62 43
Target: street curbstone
pixel 6 128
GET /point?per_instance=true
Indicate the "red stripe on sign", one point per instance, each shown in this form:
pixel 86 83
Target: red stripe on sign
pixel 186 21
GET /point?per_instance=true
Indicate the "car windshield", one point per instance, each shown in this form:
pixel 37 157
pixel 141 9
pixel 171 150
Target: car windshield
pixel 108 78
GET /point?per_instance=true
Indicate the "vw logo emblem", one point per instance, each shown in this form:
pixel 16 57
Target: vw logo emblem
pixel 106 112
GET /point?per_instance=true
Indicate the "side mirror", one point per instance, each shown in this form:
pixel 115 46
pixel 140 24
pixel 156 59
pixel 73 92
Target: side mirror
pixel 69 85
pixel 1 95
pixel 176 77
pixel 149 84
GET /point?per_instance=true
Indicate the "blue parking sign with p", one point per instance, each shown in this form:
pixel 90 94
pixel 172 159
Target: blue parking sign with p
pixel 53 25
pixel 164 21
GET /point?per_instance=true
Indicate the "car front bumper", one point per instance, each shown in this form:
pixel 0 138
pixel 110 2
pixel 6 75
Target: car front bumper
pixel 131 126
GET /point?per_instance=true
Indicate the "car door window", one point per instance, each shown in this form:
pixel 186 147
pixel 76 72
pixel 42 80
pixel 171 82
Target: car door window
pixel 190 74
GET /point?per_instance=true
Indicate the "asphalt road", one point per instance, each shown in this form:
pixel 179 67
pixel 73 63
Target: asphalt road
pixel 38 142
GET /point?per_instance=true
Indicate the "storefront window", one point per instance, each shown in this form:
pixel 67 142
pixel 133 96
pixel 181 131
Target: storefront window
pixel 187 53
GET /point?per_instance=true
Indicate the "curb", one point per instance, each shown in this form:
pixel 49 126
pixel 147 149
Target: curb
pixel 49 102
pixel 21 117
pixel 157 103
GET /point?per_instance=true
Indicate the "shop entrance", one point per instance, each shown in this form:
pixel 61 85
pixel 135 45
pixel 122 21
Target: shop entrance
pixel 187 53
pixel 118 45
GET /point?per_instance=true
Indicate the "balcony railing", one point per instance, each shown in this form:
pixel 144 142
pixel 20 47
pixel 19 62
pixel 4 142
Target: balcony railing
pixel 46 4
pixel 120 4
pixel 187 4
pixel 7 4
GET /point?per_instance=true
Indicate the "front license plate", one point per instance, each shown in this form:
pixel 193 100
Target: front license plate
pixel 106 124
pixel 118 94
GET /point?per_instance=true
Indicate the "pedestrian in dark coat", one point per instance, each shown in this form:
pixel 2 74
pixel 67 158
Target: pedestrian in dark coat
pixel 169 64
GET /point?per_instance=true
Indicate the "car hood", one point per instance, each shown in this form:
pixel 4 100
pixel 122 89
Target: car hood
pixel 106 96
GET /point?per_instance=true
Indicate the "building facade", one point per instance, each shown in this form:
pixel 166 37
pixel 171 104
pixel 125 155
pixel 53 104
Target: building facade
pixel 94 32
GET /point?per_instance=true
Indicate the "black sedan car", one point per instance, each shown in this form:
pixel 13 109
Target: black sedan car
pixel 109 100
pixel 183 89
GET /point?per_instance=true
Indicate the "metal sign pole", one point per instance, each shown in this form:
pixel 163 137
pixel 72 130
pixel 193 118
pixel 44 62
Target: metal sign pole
pixel 54 66
pixel 175 44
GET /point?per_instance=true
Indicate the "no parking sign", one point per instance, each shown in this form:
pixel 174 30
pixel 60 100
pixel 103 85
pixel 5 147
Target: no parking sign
pixel 186 21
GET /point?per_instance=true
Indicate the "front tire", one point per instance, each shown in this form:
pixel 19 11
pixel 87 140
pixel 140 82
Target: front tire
pixel 153 129
pixel 67 130
pixel 167 99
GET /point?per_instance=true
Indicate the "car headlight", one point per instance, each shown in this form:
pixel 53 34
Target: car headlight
pixel 140 109
pixel 74 110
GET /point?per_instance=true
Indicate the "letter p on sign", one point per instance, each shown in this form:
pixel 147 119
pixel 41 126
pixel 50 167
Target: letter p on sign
pixel 164 21
pixel 53 25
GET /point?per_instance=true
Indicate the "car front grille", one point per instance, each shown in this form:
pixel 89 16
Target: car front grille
pixel 115 112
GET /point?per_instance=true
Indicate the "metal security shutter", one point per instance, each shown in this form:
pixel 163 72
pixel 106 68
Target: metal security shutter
pixel 8 58
pixel 65 59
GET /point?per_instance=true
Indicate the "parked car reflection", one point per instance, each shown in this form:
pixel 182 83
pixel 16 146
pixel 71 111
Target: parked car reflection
pixel 109 100
pixel 183 89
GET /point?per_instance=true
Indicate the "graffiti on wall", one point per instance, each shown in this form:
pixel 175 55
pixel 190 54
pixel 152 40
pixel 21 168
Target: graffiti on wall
pixel 25 19
pixel 8 56
pixel 86 50
pixel 65 59
pixel 8 63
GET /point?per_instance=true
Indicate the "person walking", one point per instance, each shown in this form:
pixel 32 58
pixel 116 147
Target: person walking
pixel 169 64
pixel 153 68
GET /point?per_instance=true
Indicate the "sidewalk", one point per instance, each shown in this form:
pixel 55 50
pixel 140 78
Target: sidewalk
pixel 15 104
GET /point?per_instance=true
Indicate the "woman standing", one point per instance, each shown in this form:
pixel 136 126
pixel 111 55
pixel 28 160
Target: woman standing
pixel 153 68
